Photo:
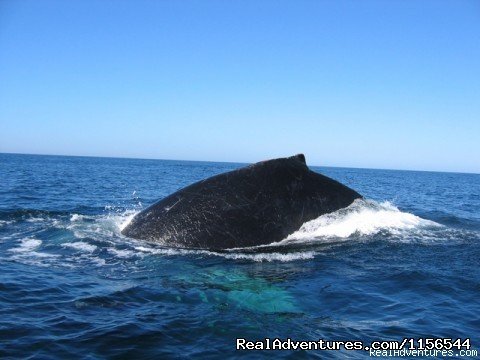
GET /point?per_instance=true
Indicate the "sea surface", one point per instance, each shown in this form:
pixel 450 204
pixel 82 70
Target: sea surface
pixel 402 263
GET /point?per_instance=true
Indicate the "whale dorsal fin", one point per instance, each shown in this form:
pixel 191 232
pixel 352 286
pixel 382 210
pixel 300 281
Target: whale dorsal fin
pixel 300 157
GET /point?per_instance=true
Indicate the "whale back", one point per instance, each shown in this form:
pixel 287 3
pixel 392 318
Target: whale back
pixel 254 205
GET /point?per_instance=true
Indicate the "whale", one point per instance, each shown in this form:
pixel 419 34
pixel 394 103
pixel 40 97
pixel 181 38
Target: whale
pixel 258 204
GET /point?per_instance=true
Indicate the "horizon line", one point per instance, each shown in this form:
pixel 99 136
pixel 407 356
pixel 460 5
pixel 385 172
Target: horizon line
pixel 237 162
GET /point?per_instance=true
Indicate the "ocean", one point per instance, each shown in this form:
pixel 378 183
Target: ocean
pixel 403 263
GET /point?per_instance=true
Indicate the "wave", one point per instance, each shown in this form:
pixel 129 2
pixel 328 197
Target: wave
pixel 361 218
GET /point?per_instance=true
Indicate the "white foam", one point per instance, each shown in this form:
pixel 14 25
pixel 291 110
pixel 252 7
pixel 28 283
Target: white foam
pixel 27 245
pixel 6 222
pixel 26 253
pixel 117 221
pixel 98 261
pixel 123 220
pixel 121 253
pixel 362 217
pixel 166 251
pixel 107 226
pixel 76 217
pixel 80 245
pixel 35 219
pixel 269 257
pixel 257 257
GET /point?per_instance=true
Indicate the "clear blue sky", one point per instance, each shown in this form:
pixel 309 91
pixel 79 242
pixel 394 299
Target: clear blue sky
pixel 378 84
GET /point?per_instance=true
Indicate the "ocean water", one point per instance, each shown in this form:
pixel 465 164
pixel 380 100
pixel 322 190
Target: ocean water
pixel 403 263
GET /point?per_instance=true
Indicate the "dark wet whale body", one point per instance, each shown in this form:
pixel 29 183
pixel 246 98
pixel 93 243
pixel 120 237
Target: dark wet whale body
pixel 255 205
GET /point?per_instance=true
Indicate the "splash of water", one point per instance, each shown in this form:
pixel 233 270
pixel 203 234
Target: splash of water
pixel 362 217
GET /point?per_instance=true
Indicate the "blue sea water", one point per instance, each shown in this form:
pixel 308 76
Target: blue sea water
pixel 403 263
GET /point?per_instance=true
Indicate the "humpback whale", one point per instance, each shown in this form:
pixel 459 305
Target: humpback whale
pixel 255 205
